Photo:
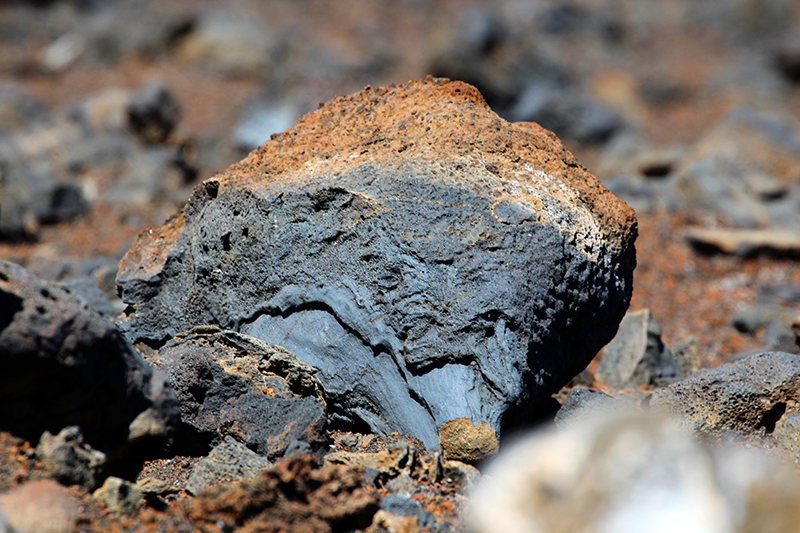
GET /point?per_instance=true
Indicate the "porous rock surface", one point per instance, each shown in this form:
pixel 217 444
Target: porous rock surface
pixel 748 396
pixel 231 384
pixel 432 260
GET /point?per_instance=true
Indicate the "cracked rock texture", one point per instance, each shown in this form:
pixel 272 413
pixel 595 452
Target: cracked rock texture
pixel 432 260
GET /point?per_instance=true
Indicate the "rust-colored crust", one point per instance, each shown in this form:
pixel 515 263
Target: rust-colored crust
pixel 436 121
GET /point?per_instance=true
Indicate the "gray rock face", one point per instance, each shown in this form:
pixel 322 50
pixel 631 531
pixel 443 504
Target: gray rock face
pixel 64 365
pixel 748 396
pixel 229 383
pixel 428 274
pixel 228 461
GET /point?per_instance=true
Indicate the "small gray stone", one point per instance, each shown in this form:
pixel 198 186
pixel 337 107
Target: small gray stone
pixel 779 337
pixel 228 461
pixel 120 497
pixel 637 355
pixel 150 486
pixel 688 356
pixel 753 318
pixel 232 384
pixel 402 484
pixel 464 476
pixel 270 425
pixel 231 43
pixel 69 460
pixel 153 113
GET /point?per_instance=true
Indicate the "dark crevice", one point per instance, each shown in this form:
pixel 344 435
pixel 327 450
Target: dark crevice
pixel 10 305
pixel 772 416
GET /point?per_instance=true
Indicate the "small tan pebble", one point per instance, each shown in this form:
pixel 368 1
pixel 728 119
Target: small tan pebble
pixel 461 440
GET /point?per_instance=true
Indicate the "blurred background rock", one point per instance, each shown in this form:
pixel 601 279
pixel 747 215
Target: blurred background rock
pixel 111 111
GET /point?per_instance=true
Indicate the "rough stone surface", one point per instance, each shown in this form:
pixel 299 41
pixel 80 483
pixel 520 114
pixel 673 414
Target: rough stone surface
pixel 787 433
pixel 746 243
pixel 63 365
pixel 749 396
pixel 461 440
pixel 228 383
pixel 410 244
pixel 119 496
pixel 68 460
pixel 628 472
pixel 384 466
pixel 228 461
pixel 293 496
pixel 636 355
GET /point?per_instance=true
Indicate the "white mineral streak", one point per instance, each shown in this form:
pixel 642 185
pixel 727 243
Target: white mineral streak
pixel 558 200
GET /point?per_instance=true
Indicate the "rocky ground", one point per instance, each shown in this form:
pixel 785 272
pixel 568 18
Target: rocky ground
pixel 110 114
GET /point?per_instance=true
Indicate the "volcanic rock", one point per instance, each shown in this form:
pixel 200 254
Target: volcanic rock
pixel 294 495
pixel 432 260
pixel 228 383
pixel 637 355
pixel 461 440
pixel 232 384
pixel 228 461
pixel 119 496
pixel 68 460
pixel 749 396
pixel 64 365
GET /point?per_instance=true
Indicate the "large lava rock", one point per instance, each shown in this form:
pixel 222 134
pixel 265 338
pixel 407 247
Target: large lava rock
pixel 431 259
pixel 64 365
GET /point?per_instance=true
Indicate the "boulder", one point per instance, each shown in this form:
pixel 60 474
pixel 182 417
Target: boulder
pixel 749 396
pixel 64 365
pixel 232 384
pixel 412 246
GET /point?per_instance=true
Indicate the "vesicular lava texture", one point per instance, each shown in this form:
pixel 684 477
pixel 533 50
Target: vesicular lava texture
pixel 432 260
